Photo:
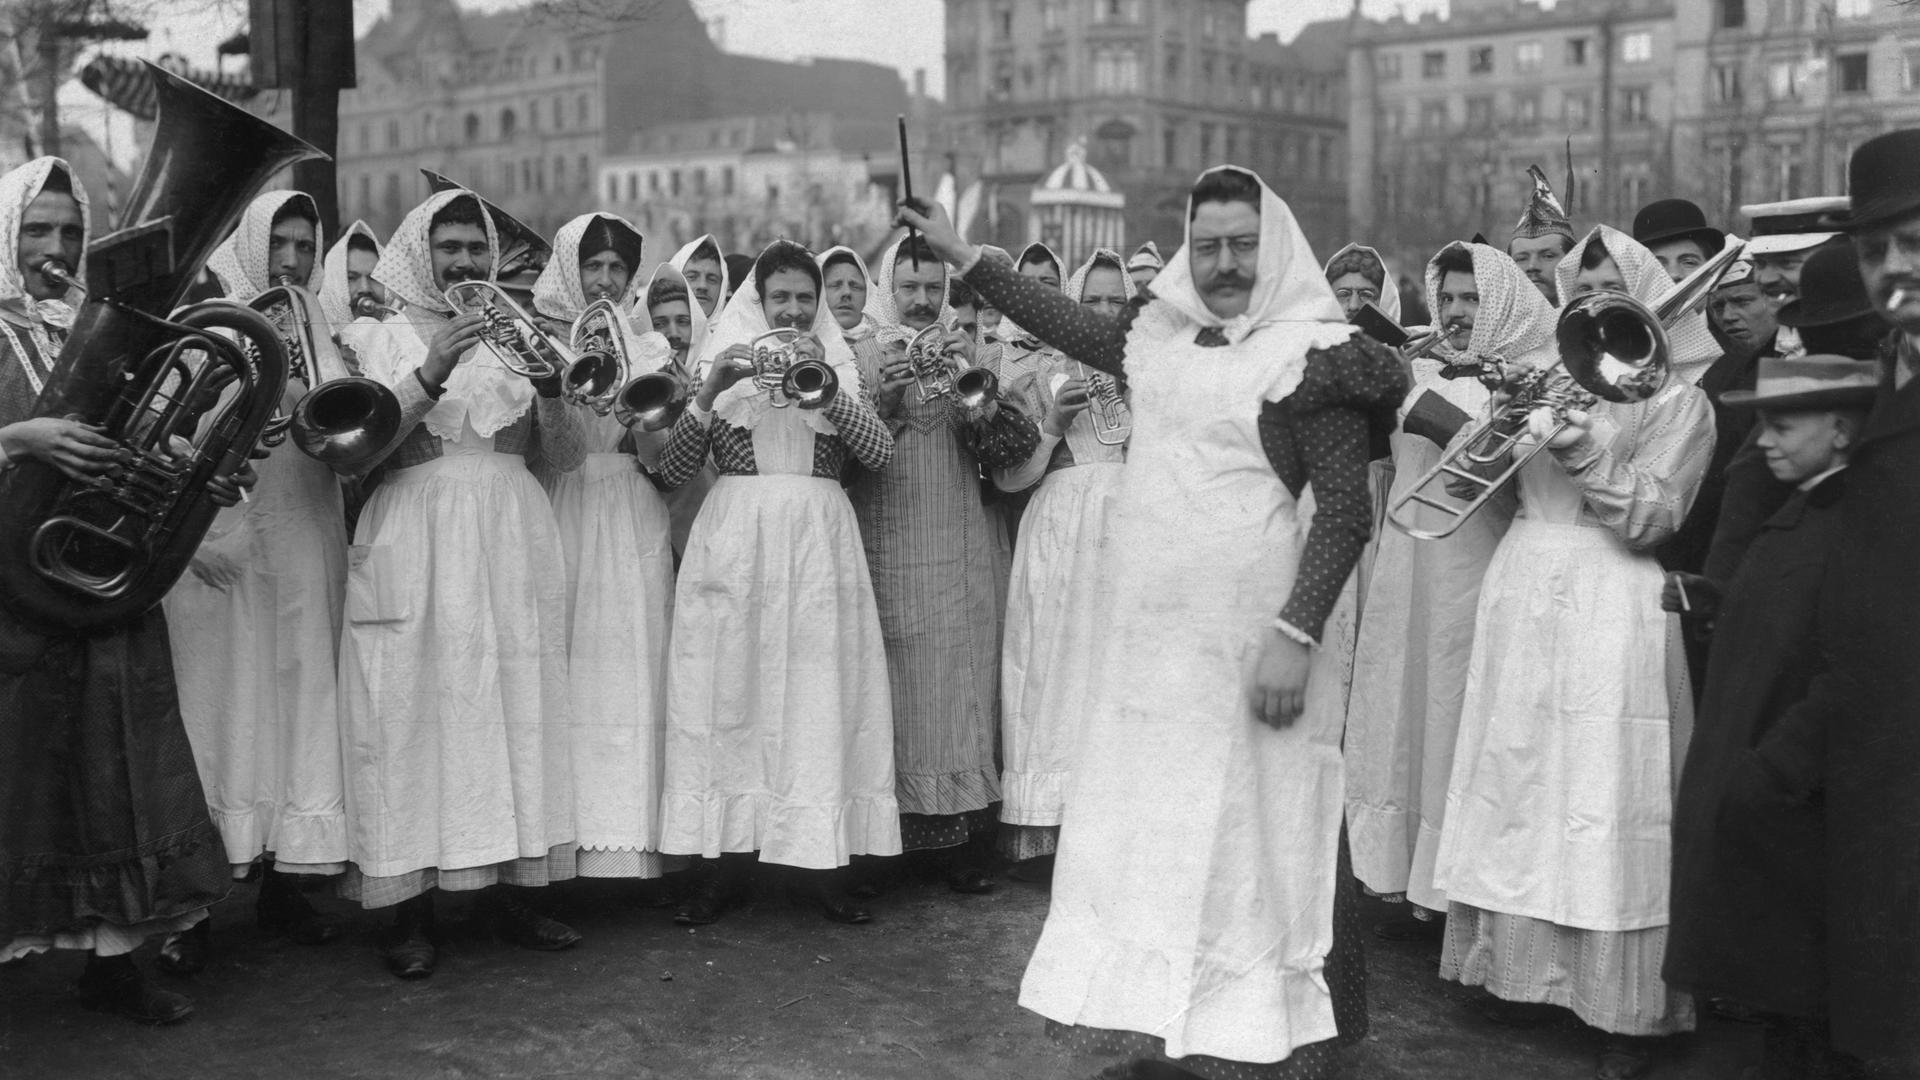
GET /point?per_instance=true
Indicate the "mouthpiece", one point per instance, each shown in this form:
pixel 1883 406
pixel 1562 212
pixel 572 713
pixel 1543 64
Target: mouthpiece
pixel 1896 300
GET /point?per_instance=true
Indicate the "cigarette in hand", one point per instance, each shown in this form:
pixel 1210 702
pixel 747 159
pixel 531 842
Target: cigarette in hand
pixel 1680 584
pixel 1896 300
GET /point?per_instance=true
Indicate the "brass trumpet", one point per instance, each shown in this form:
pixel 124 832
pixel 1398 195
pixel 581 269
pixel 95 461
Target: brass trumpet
pixel 970 389
pixel 365 306
pixel 654 400
pixel 598 375
pixel 343 419
pixel 510 333
pixel 787 379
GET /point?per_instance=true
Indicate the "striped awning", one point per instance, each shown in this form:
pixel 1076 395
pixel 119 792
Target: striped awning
pixel 124 84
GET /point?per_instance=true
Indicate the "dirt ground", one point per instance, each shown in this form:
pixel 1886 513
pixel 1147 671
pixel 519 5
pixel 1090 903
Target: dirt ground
pixel 928 990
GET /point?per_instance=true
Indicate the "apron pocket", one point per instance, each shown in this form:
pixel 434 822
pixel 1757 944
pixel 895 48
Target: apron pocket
pixel 375 585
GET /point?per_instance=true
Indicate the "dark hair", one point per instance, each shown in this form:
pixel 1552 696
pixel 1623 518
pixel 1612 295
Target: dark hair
pixel 708 251
pixel 300 206
pixel 461 210
pixel 915 247
pixel 1035 254
pixel 960 294
pixel 738 267
pixel 606 234
pixel 59 180
pixel 1594 254
pixel 1224 185
pixel 783 255
pixel 362 242
pixel 842 257
pixel 1357 262
pixel 667 290
pixel 1453 259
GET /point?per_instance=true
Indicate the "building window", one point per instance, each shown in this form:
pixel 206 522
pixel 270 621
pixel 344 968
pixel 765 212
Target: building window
pixel 1480 60
pixel 1386 66
pixel 1433 65
pixel 1636 47
pixel 366 193
pixel 726 179
pixel 1526 110
pixel 1786 170
pixel 508 122
pixel 1289 155
pixel 1433 116
pixel 613 189
pixel 1633 105
pixel 700 181
pixel 1633 188
pixel 1853 9
pixel 1479 113
pixel 1392 120
pixel 1053 78
pixel 1785 79
pixel 1733 14
pixel 586 172
pixel 366 138
pixel 581 111
pixel 559 174
pixel 1850 73
pixel 1003 81
pixel 392 199
pixel 1726 84
pixel 1527 56
pixel 1116 11
pixel 1003 22
pixel 472 126
pixel 1173 66
pixel 1209 21
pixel 393 132
pixel 1576 52
pixel 1910 72
pixel 1169 146
pixel 1206 146
pixel 673 183
pixel 1576 112
pixel 1329 165
pixel 1050 11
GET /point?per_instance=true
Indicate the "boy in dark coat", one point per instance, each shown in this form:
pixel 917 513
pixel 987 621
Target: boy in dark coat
pixel 1748 894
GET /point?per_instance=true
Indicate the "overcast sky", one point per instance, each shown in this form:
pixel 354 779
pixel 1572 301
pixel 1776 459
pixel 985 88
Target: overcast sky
pixel 903 33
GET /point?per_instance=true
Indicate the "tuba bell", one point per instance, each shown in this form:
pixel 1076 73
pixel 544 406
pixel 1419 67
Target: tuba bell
pixel 185 403
pixel 597 378
pixel 1612 347
pixel 510 333
pixel 344 419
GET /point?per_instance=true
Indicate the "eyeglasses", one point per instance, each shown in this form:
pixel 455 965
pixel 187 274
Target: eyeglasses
pixel 1209 248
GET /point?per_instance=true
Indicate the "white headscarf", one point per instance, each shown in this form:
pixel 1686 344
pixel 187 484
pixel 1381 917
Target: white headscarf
pixel 1289 287
pixel 685 254
pixel 557 292
pixel 864 328
pixel 1389 290
pixel 641 318
pixel 241 261
pixel 336 296
pixel 1076 286
pixel 744 319
pixel 1692 343
pixel 880 310
pixel 1009 330
pixel 1515 318
pixel 18 189
pixel 481 391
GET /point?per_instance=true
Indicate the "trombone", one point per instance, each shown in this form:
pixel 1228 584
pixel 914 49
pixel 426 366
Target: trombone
pixel 598 374
pixel 787 379
pixel 343 419
pixel 1611 347
pixel 510 333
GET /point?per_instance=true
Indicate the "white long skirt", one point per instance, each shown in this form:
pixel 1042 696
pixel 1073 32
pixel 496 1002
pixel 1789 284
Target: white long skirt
pixel 614 530
pixel 1055 599
pixel 453 670
pixel 779 714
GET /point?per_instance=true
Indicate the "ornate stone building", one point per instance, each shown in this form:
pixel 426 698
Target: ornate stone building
pixel 1159 89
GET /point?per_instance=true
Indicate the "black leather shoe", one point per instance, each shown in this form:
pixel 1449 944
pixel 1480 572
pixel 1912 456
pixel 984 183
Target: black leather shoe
pixel 714 893
pixel 412 955
pixel 114 985
pixel 970 880
pixel 185 953
pixel 815 889
pixel 518 922
pixel 283 909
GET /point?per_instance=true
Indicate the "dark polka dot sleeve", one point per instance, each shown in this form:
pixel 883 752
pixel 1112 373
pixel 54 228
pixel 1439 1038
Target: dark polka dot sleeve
pixel 1098 341
pixel 1319 435
pixel 1006 440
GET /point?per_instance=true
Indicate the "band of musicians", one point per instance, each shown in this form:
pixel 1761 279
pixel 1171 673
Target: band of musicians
pixel 1576 618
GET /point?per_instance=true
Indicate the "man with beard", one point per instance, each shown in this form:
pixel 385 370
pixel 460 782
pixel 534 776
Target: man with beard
pixel 937 565
pixel 1541 238
pixel 1677 233
pixel 453 665
pixel 1784 234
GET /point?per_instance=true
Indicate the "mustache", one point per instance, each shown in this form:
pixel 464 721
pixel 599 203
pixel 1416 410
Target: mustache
pixel 788 320
pixel 920 311
pixel 1229 279
pixel 463 273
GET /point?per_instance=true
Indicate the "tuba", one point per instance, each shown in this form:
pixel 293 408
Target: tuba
pixel 787 379
pixel 597 378
pixel 343 420
pixel 1107 406
pixel 510 333
pixel 77 555
pixel 1611 346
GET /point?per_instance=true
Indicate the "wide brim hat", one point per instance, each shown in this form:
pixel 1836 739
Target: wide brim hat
pixel 1676 219
pixel 1808 382
pixel 1794 225
pixel 1831 289
pixel 1883 182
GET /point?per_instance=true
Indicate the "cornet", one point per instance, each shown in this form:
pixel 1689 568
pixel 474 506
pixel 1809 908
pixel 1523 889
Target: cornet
pixel 342 419
pixel 510 333
pixel 598 374
pixel 1107 407
pixel 969 389
pixel 654 400
pixel 788 380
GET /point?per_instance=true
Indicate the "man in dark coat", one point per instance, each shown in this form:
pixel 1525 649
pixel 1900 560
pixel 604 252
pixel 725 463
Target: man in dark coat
pixel 1856 736
pixel 1748 903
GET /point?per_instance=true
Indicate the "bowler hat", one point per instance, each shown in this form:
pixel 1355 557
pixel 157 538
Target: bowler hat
pixel 1676 219
pixel 1831 289
pixel 1808 382
pixel 1884 181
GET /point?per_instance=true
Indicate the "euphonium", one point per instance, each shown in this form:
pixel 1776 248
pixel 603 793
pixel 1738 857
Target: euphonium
pixel 787 379
pixel 185 404
pixel 510 333
pixel 1611 347
pixel 1107 405
pixel 343 419
pixel 597 377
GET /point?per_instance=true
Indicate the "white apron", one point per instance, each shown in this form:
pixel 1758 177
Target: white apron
pixel 614 531
pixel 1193 892
pixel 779 715
pixel 453 668
pixel 255 666
pixel 1560 804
